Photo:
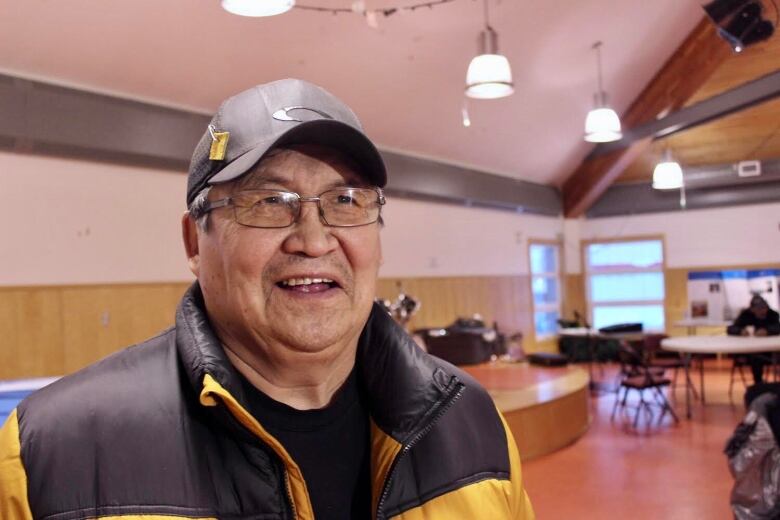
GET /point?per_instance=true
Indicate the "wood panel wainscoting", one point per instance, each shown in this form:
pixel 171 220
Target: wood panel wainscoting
pixel 575 300
pixel 51 331
pixel 505 300
pixel 56 330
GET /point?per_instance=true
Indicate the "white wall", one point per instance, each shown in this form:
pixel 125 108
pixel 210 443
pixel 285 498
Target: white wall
pixel 77 222
pixel 430 239
pixel 702 238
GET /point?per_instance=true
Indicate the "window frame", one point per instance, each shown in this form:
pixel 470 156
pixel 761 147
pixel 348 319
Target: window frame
pixel 587 273
pixel 557 275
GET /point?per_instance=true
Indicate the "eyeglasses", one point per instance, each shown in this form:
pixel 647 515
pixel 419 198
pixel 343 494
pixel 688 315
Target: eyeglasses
pixel 338 207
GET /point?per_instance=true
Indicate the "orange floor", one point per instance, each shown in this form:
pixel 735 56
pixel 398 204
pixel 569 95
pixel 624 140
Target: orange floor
pixel 671 472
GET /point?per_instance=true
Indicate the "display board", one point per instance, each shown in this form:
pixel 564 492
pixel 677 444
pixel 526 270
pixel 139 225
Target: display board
pixel 721 295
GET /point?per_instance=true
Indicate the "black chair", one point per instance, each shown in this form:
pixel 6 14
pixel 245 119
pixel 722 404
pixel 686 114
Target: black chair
pixel 738 364
pixel 637 375
pixel 659 358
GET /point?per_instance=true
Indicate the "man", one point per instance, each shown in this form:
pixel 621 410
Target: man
pixel 759 320
pixel 281 392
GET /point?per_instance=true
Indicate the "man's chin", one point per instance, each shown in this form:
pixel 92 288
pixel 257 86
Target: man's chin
pixel 312 329
pixel 318 340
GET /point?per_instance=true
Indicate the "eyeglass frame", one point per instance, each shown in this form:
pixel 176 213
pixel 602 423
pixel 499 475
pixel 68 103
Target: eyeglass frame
pixel 201 206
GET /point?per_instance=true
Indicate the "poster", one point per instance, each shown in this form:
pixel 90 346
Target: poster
pixel 721 295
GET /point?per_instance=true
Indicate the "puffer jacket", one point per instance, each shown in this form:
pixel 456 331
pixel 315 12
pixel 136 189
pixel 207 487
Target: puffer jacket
pixel 160 430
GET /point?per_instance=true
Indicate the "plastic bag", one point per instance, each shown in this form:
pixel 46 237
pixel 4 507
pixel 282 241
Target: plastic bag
pixel 754 462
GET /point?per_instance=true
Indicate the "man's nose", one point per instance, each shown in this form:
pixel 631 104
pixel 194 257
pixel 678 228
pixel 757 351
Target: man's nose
pixel 310 235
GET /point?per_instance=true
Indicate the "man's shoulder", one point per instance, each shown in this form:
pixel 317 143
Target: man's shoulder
pixel 475 405
pixel 126 378
pixel 472 414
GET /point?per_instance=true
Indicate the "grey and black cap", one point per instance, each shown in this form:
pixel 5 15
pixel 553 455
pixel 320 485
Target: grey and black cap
pixel 285 112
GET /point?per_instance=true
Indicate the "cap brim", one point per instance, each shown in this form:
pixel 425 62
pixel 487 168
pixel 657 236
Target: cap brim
pixel 324 132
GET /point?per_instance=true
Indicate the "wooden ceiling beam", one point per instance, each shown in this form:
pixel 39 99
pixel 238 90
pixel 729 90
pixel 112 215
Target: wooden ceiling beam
pixel 682 75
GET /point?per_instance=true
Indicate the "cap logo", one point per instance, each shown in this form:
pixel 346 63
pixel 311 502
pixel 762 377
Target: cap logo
pixel 283 114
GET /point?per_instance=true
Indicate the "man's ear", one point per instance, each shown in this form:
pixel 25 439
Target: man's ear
pixel 189 234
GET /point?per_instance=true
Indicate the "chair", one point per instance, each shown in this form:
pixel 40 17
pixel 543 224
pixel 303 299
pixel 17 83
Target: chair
pixel 637 375
pixel 738 363
pixel 656 357
pixel 661 359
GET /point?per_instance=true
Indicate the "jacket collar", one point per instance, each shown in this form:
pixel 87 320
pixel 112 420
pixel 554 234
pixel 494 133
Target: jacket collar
pixel 404 385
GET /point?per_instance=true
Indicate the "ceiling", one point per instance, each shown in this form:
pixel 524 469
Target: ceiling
pixel 404 79
pixel 752 134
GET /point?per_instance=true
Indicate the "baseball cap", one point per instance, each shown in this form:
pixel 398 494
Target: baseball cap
pixel 285 112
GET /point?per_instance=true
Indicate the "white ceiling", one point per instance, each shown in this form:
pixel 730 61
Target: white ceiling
pixel 404 80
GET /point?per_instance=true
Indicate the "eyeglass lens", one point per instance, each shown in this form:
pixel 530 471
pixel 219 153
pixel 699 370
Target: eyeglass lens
pixel 339 207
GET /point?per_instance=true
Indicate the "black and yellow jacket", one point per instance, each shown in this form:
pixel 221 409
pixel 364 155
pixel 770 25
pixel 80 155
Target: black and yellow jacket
pixel 159 431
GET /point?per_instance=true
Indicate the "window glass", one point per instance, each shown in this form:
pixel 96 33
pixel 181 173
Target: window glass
pixel 625 255
pixel 543 258
pixel 625 282
pixel 546 323
pixel 650 316
pixel 627 287
pixel 545 290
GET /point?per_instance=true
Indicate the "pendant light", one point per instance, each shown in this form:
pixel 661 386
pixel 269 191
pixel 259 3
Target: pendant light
pixel 602 124
pixel 667 174
pixel 257 8
pixel 489 75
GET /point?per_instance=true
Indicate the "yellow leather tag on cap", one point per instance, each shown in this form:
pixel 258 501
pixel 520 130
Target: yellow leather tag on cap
pixel 219 146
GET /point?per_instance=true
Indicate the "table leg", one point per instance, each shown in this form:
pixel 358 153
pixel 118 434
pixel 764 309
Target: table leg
pixel 687 364
pixel 701 377
pixel 593 385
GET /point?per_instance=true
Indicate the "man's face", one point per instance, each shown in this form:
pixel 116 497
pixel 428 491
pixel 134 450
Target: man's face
pixel 760 311
pixel 243 271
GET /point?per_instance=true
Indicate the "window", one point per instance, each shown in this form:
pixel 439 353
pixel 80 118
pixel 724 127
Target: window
pixel 545 288
pixel 625 283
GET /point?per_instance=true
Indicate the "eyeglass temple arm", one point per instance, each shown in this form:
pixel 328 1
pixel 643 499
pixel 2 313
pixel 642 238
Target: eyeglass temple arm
pixel 221 203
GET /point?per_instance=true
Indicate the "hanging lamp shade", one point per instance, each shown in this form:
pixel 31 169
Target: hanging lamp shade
pixel 257 8
pixel 489 75
pixel 602 125
pixel 667 175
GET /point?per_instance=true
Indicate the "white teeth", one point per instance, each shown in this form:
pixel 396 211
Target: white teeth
pixel 292 282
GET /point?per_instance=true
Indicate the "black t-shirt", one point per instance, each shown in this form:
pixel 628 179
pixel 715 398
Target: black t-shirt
pixel 330 445
pixel 770 323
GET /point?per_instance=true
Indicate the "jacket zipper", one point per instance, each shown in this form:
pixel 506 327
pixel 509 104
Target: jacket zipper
pixel 451 398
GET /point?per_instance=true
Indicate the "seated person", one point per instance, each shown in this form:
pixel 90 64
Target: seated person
pixel 764 322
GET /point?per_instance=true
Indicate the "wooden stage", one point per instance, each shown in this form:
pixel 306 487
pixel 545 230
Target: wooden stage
pixel 546 408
